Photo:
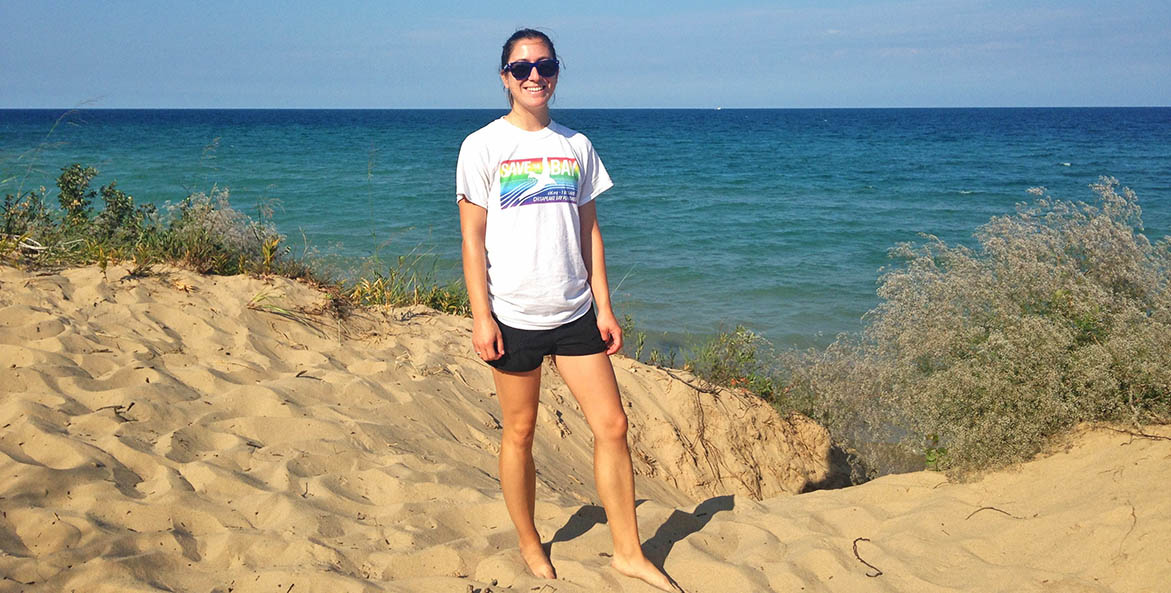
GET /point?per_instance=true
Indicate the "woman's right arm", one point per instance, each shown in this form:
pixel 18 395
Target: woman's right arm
pixel 486 338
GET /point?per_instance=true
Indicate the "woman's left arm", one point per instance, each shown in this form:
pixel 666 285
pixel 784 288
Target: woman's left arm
pixel 594 254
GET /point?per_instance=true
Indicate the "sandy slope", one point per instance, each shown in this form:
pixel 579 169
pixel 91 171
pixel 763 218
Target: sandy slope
pixel 160 434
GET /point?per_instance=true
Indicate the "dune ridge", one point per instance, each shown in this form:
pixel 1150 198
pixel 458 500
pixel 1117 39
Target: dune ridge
pixel 189 433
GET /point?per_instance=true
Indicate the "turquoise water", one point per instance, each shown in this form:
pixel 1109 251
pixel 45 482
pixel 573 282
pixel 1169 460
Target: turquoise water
pixel 776 219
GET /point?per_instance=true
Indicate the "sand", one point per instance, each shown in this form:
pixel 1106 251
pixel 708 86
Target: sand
pixel 188 433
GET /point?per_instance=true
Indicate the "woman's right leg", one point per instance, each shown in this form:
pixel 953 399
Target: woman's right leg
pixel 518 394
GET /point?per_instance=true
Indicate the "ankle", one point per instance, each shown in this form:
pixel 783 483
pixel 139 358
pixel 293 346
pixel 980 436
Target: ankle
pixel 629 556
pixel 530 542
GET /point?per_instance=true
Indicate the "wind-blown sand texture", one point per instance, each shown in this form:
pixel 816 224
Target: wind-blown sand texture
pixel 189 433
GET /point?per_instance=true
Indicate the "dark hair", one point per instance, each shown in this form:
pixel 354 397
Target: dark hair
pixel 524 34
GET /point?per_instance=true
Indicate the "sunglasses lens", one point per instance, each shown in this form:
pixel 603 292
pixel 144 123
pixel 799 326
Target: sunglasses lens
pixel 521 70
pixel 547 68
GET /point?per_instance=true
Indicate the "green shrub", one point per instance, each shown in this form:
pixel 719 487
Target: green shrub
pixel 26 213
pixel 633 338
pixel 75 195
pixel 739 358
pixel 120 221
pixel 975 357
pixel 202 232
pixel 209 236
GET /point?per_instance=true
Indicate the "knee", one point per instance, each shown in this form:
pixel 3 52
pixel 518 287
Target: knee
pixel 611 428
pixel 520 434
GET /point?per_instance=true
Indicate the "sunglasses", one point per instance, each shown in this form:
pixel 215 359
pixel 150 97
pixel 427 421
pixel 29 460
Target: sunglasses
pixel 521 70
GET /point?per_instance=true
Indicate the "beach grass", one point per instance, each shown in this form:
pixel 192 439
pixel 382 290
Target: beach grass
pixel 203 232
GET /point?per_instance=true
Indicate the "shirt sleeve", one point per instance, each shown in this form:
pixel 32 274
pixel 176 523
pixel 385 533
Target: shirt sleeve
pixel 594 179
pixel 473 179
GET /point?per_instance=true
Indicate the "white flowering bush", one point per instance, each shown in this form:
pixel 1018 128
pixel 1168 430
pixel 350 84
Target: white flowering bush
pixel 976 356
pixel 210 235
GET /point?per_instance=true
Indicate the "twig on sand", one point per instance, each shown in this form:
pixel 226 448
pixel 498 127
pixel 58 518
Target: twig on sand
pixel 689 383
pixel 118 410
pixel 877 571
pixel 1145 435
pixel 1133 522
pixel 992 509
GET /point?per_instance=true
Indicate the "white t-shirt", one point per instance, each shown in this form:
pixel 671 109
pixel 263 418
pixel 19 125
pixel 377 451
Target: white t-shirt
pixel 532 184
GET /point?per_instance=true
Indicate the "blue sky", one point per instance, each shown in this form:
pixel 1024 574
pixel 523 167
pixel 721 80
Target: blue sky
pixel 439 53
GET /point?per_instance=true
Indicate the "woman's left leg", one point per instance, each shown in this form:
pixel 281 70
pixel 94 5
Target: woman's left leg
pixel 591 380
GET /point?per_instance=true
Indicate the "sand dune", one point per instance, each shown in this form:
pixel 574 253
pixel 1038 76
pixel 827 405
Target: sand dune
pixel 189 433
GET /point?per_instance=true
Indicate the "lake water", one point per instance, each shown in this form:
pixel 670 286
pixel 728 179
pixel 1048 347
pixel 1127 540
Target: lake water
pixel 776 219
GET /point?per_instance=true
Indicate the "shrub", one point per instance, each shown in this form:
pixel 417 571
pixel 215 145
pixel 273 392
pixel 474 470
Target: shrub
pixel 977 356
pixel 25 215
pixel 120 221
pixel 203 232
pixel 208 235
pixel 738 358
pixel 633 338
pixel 75 196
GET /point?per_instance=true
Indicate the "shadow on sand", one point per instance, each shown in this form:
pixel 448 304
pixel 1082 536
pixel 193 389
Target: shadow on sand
pixel 677 527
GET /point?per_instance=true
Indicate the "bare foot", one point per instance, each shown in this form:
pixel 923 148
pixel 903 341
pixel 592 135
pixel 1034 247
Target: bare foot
pixel 642 569
pixel 538 563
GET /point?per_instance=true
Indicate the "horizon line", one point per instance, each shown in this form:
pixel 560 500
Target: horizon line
pixel 713 108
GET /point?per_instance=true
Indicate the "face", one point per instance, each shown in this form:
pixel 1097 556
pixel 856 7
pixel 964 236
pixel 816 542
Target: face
pixel 534 92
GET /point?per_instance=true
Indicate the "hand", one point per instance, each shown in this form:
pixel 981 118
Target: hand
pixel 486 339
pixel 611 332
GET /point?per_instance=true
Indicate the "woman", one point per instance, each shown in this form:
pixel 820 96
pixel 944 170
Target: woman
pixel 535 269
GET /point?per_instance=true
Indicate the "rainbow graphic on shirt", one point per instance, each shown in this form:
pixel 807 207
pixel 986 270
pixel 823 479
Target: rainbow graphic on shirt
pixel 538 181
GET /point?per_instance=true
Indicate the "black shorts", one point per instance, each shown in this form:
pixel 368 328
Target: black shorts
pixel 524 349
